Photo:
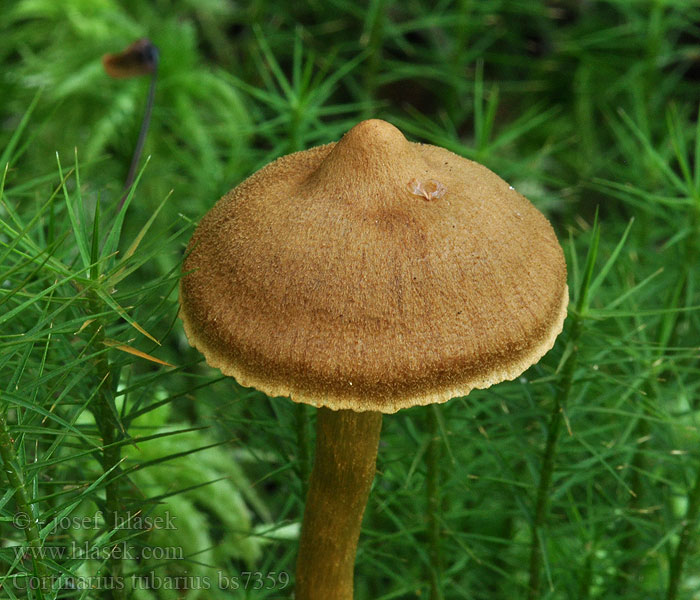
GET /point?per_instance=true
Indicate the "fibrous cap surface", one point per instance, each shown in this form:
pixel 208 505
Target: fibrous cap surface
pixel 373 274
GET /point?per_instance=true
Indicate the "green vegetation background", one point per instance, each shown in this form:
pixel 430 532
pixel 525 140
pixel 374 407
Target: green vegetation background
pixel 581 479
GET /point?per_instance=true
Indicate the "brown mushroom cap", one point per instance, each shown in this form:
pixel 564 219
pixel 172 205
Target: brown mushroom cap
pixel 373 274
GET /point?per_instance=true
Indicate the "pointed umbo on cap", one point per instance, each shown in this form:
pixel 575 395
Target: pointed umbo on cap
pixel 373 274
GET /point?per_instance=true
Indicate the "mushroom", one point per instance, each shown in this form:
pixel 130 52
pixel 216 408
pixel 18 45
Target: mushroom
pixel 363 277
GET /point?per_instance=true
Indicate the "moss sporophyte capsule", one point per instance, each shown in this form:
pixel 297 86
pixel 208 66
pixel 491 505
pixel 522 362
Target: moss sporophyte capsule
pixel 363 277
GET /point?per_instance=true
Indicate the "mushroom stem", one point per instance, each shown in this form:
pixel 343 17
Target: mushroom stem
pixel 344 466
